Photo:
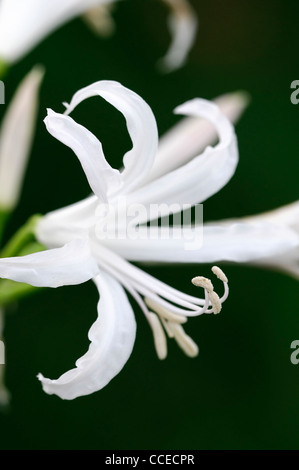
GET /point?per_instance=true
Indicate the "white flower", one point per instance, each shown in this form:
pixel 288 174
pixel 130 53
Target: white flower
pixel 75 254
pixel 24 23
pixel 16 135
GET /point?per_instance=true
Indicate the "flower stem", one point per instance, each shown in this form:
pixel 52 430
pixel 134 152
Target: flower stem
pixel 4 215
pixel 3 68
pixel 21 238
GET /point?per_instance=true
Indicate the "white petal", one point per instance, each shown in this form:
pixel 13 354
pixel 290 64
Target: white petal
pixel 191 135
pixel 16 137
pixel 183 28
pixel 205 174
pixel 69 265
pixel 24 23
pixel 112 339
pixel 287 262
pixel 63 225
pixel 287 217
pixel 101 176
pixel 238 242
pixel 141 126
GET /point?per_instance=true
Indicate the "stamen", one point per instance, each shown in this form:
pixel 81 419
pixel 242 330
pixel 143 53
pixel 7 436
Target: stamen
pixel 163 312
pixel 215 301
pixel 159 335
pixel 219 273
pixel 167 328
pixel 186 343
pixel 205 283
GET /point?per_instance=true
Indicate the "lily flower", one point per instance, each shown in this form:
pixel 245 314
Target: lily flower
pixel 16 136
pixel 76 253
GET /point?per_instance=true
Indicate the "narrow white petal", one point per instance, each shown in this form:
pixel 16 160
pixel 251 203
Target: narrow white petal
pixel 16 136
pixel 192 135
pixel 101 176
pixel 63 225
pixel 183 28
pixel 24 23
pixel 112 339
pixel 286 217
pixel 72 264
pixel 141 126
pixel 205 174
pixel 287 262
pixel 238 242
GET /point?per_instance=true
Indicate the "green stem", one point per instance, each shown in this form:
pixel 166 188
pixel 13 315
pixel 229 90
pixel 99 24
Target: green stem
pixel 21 238
pixel 11 291
pixel 4 216
pixel 3 68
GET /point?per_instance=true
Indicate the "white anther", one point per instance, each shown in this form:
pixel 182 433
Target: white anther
pixel 186 343
pixel 219 273
pixel 164 312
pixel 205 283
pixel 215 301
pixel 159 336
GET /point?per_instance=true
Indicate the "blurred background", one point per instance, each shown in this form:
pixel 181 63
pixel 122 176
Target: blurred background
pixel 242 391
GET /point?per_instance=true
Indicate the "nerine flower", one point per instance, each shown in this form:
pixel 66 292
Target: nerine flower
pixel 79 249
pixel 25 23
pixel 77 252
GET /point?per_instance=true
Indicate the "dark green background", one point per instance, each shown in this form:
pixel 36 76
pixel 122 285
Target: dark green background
pixel 242 390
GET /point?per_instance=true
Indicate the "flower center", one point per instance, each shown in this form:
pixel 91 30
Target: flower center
pixel 164 307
